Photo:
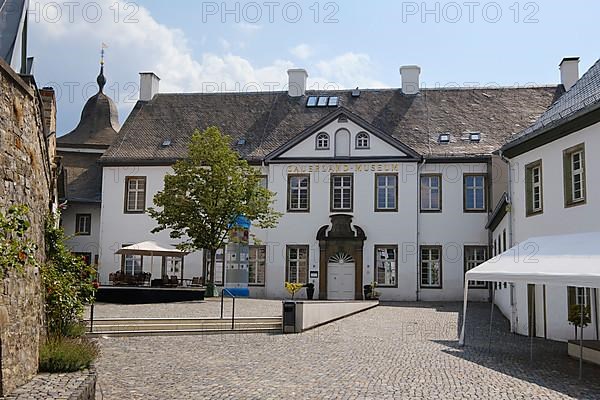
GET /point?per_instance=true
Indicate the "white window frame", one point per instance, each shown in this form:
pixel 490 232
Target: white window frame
pixel 342 192
pixel 387 187
pixel 388 265
pixel 322 141
pixel 257 262
pixel 86 221
pixel 138 203
pixel 577 172
pixel 296 265
pixel 363 140
pixel 536 188
pixel 295 190
pixel 427 189
pixel 473 259
pixel 427 265
pixel 474 188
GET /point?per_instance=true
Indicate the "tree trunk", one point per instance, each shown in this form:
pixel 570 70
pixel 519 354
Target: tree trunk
pixel 213 259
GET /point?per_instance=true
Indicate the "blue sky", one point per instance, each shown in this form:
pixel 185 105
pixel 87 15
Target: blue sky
pixel 197 46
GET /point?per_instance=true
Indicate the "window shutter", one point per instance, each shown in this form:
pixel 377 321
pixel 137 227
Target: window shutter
pixel 567 178
pixel 571 293
pixel 528 192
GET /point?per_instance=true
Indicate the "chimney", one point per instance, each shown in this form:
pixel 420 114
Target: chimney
pixel 569 71
pixel 297 82
pixel 410 78
pixel 148 85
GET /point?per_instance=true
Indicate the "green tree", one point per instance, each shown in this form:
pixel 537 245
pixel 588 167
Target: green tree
pixel 208 190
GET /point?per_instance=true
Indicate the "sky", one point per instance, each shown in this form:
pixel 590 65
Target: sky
pixel 207 46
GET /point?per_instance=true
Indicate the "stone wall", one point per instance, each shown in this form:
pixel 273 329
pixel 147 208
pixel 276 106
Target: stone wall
pixel 26 174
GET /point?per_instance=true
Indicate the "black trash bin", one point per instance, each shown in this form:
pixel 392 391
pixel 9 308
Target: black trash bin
pixel 289 316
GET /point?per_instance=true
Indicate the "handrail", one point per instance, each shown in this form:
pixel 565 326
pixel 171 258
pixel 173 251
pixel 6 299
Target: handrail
pixel 233 306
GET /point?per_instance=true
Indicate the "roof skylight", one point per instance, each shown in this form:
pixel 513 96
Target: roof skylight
pixel 312 101
pixel 333 101
pixel 474 136
pixel 322 101
pixel 444 138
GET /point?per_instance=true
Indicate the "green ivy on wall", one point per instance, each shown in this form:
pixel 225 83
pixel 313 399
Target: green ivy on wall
pixel 16 250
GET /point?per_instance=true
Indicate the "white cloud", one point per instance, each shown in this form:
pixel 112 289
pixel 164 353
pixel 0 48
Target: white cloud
pixel 350 70
pixel 67 52
pixel 248 28
pixel 302 51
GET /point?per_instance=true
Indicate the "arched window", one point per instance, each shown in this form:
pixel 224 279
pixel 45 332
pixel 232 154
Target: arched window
pixel 362 140
pixel 322 141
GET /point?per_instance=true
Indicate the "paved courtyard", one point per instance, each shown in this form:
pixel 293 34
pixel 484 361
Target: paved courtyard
pixel 395 351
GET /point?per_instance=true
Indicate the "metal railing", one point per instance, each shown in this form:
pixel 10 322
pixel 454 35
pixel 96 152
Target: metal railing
pixel 232 308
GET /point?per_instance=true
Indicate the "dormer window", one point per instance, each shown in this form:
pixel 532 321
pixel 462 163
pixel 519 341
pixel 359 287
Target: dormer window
pixel 444 138
pixel 362 140
pixel 322 141
pixel 474 136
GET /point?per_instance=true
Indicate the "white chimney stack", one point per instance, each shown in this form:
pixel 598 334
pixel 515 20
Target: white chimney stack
pixel 569 71
pixel 297 82
pixel 148 85
pixel 410 78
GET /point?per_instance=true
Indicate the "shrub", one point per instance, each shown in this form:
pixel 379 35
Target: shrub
pixel 68 283
pixel 67 354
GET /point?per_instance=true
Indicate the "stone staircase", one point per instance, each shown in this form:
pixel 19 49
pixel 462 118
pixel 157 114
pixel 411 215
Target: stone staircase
pixel 183 326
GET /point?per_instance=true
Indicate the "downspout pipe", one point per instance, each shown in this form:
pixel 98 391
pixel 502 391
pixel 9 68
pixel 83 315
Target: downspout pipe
pixel 509 199
pixel 419 167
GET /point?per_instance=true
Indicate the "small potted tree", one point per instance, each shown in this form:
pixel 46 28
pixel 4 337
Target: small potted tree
pixel 575 316
pixel 293 288
pixel 310 290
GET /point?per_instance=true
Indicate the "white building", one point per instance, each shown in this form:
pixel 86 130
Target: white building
pixel 393 185
pixel 552 191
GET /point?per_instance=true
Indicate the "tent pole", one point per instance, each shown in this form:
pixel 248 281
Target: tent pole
pixel 531 326
pixel 581 307
pixel 491 317
pixel 461 341
pixel 596 312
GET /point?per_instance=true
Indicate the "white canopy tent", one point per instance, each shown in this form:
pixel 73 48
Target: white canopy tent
pixel 152 249
pixel 570 260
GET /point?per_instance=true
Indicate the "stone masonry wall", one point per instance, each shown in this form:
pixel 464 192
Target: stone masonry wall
pixel 25 178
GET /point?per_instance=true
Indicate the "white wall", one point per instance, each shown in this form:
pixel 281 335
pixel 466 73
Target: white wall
pixel 453 229
pixel 556 219
pixel 118 228
pixel 378 147
pixel 82 243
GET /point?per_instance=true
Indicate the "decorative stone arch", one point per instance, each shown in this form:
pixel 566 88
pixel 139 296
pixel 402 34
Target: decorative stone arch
pixel 341 239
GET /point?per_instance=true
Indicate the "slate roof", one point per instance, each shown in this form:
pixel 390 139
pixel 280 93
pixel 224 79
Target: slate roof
pixel 11 12
pixel 97 129
pixel 582 98
pixel 99 121
pixel 81 177
pixel 268 120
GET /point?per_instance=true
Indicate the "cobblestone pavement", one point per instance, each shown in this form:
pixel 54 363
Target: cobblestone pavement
pixel 194 309
pixel 395 351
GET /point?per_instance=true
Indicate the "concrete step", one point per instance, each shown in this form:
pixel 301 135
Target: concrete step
pixel 182 332
pixel 170 326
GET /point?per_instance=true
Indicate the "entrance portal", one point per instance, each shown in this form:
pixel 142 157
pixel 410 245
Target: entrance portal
pixel 341 259
pixel 340 277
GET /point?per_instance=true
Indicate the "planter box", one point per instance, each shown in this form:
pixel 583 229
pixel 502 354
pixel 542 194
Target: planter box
pixel 591 350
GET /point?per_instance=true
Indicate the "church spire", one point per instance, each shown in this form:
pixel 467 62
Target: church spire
pixel 101 79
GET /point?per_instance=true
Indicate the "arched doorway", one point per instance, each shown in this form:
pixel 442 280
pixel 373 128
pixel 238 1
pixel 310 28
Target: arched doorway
pixel 341 259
